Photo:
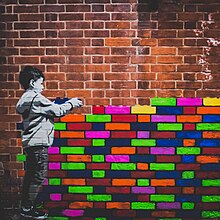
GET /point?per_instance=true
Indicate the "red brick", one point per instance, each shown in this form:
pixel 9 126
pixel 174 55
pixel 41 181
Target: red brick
pixel 174 159
pixel 99 182
pixel 98 109
pixel 79 126
pixel 57 158
pixel 188 167
pixel 125 134
pixel 142 174
pixel 99 166
pixel 163 134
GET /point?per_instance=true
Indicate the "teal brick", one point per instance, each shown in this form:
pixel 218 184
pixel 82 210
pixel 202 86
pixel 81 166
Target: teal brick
pixel 59 126
pixel 99 197
pixel 20 157
pixel 80 189
pixel 72 150
pixel 210 198
pixel 162 166
pixel 208 126
pixel 98 173
pixel 163 101
pixel 142 205
pixel 215 182
pixel 98 118
pixel 211 214
pixel 162 198
pixel 98 158
pixel 143 142
pixel 123 166
pixel 73 166
pixel 143 182
pixel 98 142
pixel 55 181
pixel 188 175
pixel 188 205
pixel 169 126
pixel 188 150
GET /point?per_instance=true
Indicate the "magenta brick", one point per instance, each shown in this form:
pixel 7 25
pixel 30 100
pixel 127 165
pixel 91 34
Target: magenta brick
pixel 98 109
pixel 147 190
pixel 54 166
pixel 143 134
pixel 168 205
pixel 162 150
pixel 189 101
pixel 97 134
pixel 117 110
pixel 53 150
pixel 163 118
pixel 55 197
pixel 117 158
pixel 46 182
pixel 73 213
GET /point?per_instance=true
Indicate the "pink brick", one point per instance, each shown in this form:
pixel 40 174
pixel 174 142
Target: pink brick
pixel 117 158
pixel 146 190
pixel 143 134
pixel 73 213
pixel 117 110
pixel 54 166
pixel 97 134
pixel 55 197
pixel 163 118
pixel 189 101
pixel 162 150
pixel 53 150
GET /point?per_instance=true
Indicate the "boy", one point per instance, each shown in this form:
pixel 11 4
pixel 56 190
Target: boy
pixel 38 113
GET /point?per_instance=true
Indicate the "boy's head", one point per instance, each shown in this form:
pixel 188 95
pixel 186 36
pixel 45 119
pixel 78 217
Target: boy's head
pixel 31 78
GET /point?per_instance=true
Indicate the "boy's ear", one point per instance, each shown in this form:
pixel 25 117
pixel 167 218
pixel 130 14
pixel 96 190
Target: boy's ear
pixel 32 82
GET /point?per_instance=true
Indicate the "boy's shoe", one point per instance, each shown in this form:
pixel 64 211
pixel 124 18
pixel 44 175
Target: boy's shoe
pixel 32 213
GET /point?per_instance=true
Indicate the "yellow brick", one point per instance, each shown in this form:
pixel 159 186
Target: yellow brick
pixel 211 101
pixel 143 109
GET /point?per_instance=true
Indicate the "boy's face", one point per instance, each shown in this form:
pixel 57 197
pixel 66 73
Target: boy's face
pixel 38 85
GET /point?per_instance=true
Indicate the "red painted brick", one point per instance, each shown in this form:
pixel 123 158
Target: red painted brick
pixel 79 126
pixel 79 142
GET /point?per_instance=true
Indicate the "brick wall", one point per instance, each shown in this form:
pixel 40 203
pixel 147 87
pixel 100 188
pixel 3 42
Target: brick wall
pixel 107 52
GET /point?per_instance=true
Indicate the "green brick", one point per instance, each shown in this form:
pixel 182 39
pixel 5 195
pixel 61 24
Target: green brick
pixel 98 142
pixel 99 198
pixel 188 205
pixel 123 166
pixel 98 173
pixel 163 101
pixel 188 150
pixel 162 198
pixel 211 214
pixel 142 205
pixel 55 181
pixel 188 175
pixel 98 118
pixel 72 150
pixel 59 126
pixel 211 198
pixel 73 166
pixel 98 158
pixel 102 218
pixel 80 189
pixel 143 142
pixel 57 218
pixel 143 182
pixel 215 182
pixel 208 126
pixel 162 166
pixel 21 157
pixel 169 126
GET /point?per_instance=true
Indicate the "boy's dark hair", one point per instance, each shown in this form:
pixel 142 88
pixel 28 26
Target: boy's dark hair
pixel 27 74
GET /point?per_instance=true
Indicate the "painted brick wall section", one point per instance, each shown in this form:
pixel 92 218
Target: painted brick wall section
pixel 140 162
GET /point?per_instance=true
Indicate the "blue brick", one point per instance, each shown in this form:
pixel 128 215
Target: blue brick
pixel 143 126
pixel 124 198
pixel 60 142
pixel 169 142
pixel 142 158
pixel 211 118
pixel 188 159
pixel 97 150
pixel 79 173
pixel 57 189
pixel 188 182
pixel 208 142
pixel 20 126
pixel 170 174
pixel 117 174
pixel 169 110
pixel 43 196
pixel 59 100
pixel 188 198
pixel 143 213
pixel 118 142
pixel 211 167
pixel 189 134
pixel 99 190
pixel 184 214
pixel 98 126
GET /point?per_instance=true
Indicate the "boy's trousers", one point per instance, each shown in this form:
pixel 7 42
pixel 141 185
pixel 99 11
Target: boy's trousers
pixel 35 173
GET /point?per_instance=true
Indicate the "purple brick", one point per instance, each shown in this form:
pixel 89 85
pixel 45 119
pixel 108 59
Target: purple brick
pixel 117 158
pixel 97 134
pixel 189 101
pixel 143 134
pixel 147 190
pixel 117 110
pixel 55 197
pixel 53 150
pixel 168 205
pixel 73 213
pixel 163 118
pixel 162 150
pixel 54 166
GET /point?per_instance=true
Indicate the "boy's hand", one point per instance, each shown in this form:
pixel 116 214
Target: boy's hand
pixel 76 102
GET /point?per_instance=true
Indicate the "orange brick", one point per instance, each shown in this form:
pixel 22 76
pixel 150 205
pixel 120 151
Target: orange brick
pixel 123 182
pixel 73 118
pixel 21 173
pixel 71 134
pixel 211 134
pixel 79 158
pixel 208 110
pixel 123 150
pixel 118 205
pixel 188 190
pixel 142 166
pixel 189 118
pixel 83 205
pixel 76 182
pixel 143 118
pixel 208 159
pixel 163 182
pixel 117 126
pixel 189 142
pixel 118 42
